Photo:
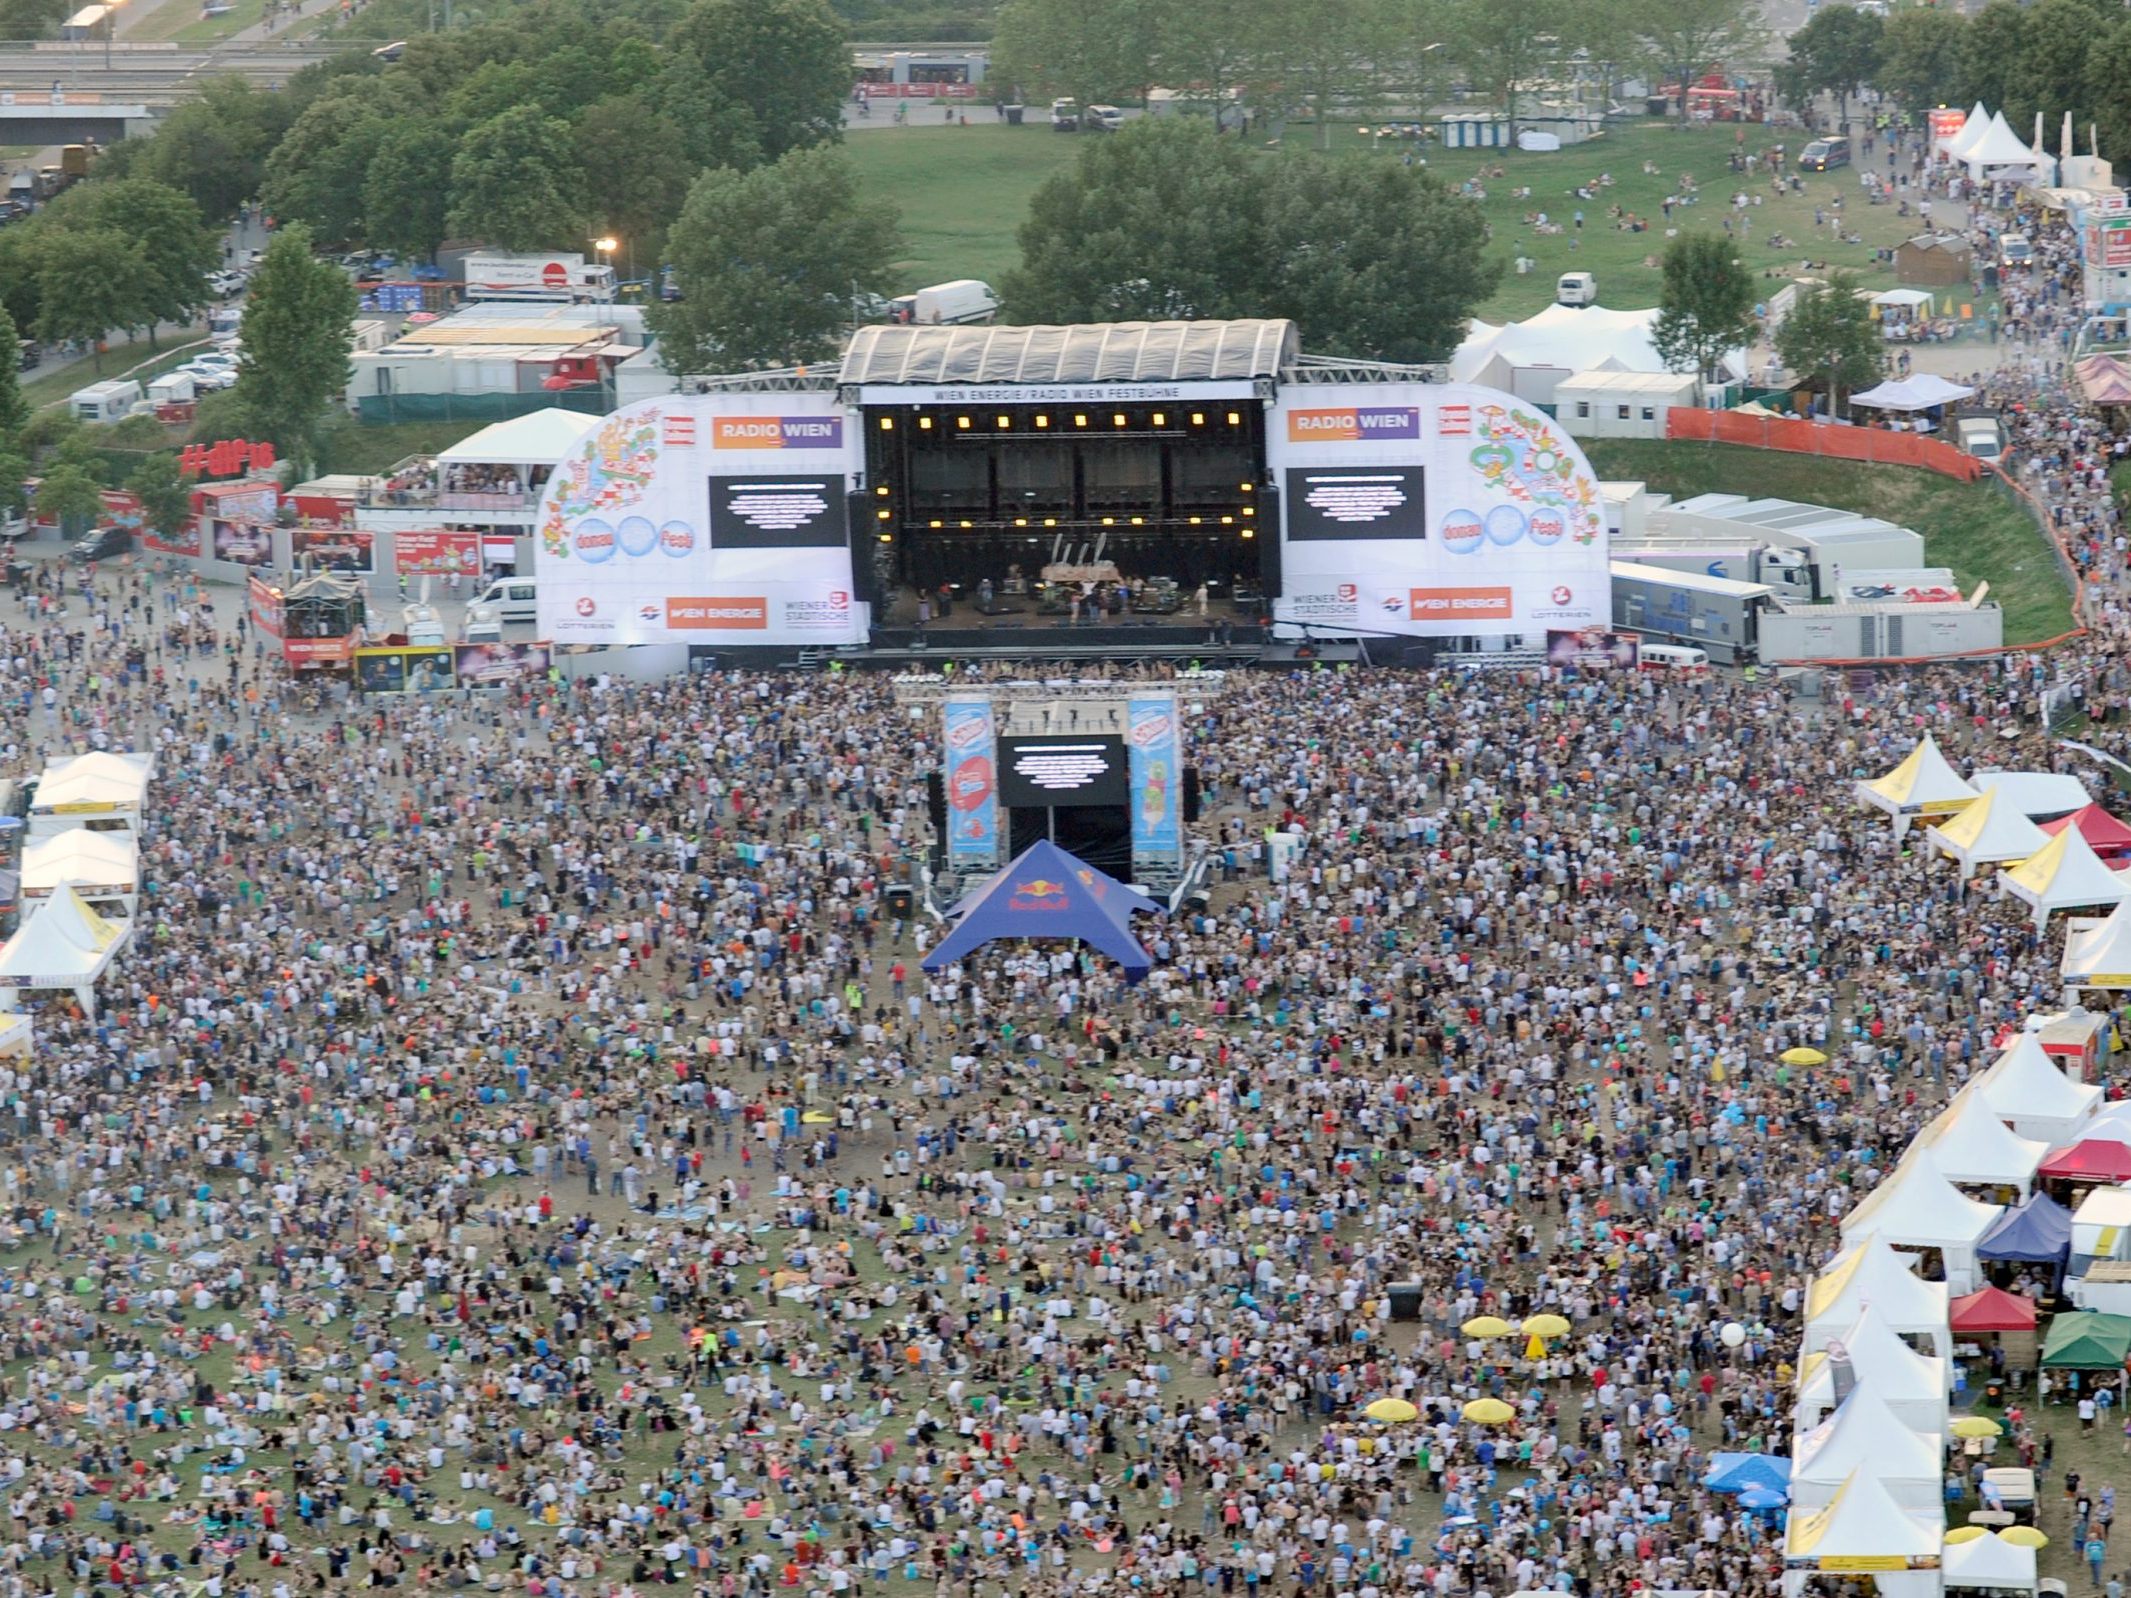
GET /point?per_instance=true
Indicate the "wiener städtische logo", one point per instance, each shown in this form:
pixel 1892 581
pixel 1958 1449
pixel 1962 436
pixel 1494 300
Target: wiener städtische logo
pixel 1350 423
pixel 776 432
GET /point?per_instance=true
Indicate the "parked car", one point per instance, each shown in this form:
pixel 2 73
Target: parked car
pixel 101 543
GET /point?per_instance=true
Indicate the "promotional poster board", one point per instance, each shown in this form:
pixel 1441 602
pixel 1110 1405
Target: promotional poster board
pixel 500 665
pixel 265 601
pixel 1430 510
pixel 1156 763
pixel 440 552
pixel 1594 649
pixel 423 669
pixel 714 519
pixel 343 549
pixel 972 778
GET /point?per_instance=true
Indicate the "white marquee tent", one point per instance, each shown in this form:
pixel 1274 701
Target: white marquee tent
pixel 1863 1434
pixel 1566 338
pixel 1971 1145
pixel 2097 954
pixel 1971 128
pixel 538 438
pixel 93 790
pixel 1911 1385
pixel 1999 152
pixel 1922 785
pixel 1925 391
pixel 1986 833
pixel 2065 875
pixel 2030 1092
pixel 1869 1274
pixel 64 944
pixel 1917 1207
pixel 1863 1521
pixel 104 866
pixel 1990 1561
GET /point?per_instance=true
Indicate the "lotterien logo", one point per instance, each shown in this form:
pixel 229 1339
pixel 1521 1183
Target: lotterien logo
pixel 777 432
pixel 1349 423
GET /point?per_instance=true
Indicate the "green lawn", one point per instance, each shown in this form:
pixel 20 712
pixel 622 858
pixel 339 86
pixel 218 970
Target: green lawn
pixel 1976 530
pixel 180 22
pixel 134 358
pixel 964 191
pixel 348 446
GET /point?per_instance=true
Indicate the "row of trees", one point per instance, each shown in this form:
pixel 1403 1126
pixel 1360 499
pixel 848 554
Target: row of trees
pixel 1357 57
pixel 2053 56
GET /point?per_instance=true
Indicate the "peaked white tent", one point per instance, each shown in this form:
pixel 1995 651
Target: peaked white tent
pixel 2097 954
pixel 1568 339
pixel 1869 1274
pixel 2066 875
pixel 1924 391
pixel 1911 1385
pixel 1971 127
pixel 2037 795
pixel 1970 1144
pixel 102 790
pixel 105 866
pixel 538 438
pixel 64 944
pixel 1863 1521
pixel 1990 1561
pixel 2030 1092
pixel 1917 1207
pixel 1863 1434
pixel 1986 833
pixel 1922 785
pixel 1999 150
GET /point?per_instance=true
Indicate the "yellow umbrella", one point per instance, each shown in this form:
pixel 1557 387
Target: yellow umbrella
pixel 1964 1534
pixel 1802 1056
pixel 818 1118
pixel 1392 1409
pixel 1486 1326
pixel 1977 1426
pixel 1544 1326
pixel 1488 1411
pixel 2023 1537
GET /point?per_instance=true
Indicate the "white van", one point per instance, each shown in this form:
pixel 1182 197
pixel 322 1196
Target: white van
pixel 1980 436
pixel 1677 659
pixel 113 401
pixel 1576 288
pixel 513 598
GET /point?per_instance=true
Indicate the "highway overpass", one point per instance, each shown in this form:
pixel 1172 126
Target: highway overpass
pixel 155 76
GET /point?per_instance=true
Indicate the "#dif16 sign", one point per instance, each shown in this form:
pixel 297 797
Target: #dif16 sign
pixel 229 457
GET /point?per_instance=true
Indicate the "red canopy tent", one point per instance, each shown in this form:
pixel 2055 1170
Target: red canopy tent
pixel 1992 1310
pixel 2093 1159
pixel 2110 837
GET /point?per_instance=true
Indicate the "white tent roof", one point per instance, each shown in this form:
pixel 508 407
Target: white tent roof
pixel 2099 953
pixel 1590 339
pixel 1989 1561
pixel 94 782
pixel 1999 145
pixel 1910 1384
pixel 1988 831
pixel 2027 1085
pixel 1971 127
pixel 538 438
pixel 106 862
pixel 64 945
pixel 2038 795
pixel 1863 1434
pixel 1861 1519
pixel 1917 1207
pixel 1970 1144
pixel 1925 391
pixel 2066 875
pixel 1869 1274
pixel 1922 781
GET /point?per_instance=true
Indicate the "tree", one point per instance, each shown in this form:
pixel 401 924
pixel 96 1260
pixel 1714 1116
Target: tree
pixel 636 199
pixel 1920 57
pixel 1145 225
pixel 89 283
pixel 1328 56
pixel 70 496
pixel 1837 53
pixel 785 63
pixel 514 182
pixel 14 483
pixel 14 409
pixel 2050 75
pixel 1687 38
pixel 1705 306
pixel 177 250
pixel 316 174
pixel 1504 45
pixel 1092 50
pixel 2108 89
pixel 1212 50
pixel 165 496
pixel 408 188
pixel 1990 48
pixel 1374 260
pixel 214 147
pixel 769 262
pixel 1829 340
pixel 297 330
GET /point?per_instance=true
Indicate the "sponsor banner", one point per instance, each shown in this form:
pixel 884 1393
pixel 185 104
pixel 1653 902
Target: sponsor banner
pixel 1053 394
pixel 264 601
pixel 1157 786
pixel 500 665
pixel 342 549
pixel 420 669
pixel 666 525
pixel 442 552
pixel 1593 649
pixel 972 780
pixel 308 652
pixel 1435 511
pixel 244 543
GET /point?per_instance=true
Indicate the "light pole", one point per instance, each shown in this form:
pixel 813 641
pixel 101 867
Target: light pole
pixel 606 244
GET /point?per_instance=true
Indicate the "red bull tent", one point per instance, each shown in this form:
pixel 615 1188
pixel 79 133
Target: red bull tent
pixel 1047 894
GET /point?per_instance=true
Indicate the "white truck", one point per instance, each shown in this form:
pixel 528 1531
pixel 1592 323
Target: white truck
pixel 558 279
pixel 111 401
pixel 966 299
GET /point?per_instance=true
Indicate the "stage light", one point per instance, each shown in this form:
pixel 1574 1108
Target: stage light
pixel 1050 521
pixel 1006 421
pixel 1118 418
pixel 1160 420
pixel 935 524
pixel 1195 521
pixel 1225 521
pixel 886 516
pixel 1245 487
pixel 925 422
pixel 1021 521
pixel 1250 510
pixel 882 490
pixel 969 524
pixel 962 422
pixel 1198 418
pixel 1043 421
pixel 1109 521
pixel 1138 521
pixel 887 424
pixel 1246 532
pixel 1080 421
pixel 1235 419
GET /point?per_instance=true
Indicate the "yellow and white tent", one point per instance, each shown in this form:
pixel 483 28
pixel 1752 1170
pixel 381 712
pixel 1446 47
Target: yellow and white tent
pixel 1923 785
pixel 2097 954
pixel 1985 833
pixel 64 944
pixel 2065 875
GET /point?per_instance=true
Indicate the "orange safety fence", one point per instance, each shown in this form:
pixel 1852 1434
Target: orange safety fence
pixel 1799 437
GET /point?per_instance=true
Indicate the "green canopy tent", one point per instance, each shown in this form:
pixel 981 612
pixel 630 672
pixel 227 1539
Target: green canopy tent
pixel 2084 1340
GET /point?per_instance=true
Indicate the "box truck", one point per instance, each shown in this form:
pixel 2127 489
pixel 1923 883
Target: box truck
pixel 1712 613
pixel 966 299
pixel 1789 572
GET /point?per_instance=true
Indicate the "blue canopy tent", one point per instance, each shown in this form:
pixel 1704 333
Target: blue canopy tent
pixel 1740 1473
pixel 1047 893
pixel 2039 1232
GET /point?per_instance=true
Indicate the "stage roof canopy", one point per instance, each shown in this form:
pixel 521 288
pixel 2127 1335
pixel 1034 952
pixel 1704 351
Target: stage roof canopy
pixel 1098 352
pixel 1047 893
